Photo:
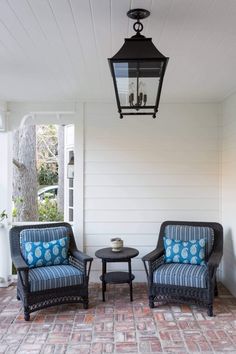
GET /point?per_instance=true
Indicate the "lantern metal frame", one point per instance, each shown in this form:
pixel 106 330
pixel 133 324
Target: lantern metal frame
pixel 138 49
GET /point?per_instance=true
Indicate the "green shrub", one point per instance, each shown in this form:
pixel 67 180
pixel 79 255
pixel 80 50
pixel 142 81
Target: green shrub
pixel 48 210
pixel 47 176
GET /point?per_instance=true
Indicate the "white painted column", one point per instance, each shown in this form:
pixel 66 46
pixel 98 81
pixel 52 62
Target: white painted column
pixel 79 176
pixel 5 204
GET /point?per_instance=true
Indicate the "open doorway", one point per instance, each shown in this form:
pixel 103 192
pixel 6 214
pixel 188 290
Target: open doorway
pixel 42 190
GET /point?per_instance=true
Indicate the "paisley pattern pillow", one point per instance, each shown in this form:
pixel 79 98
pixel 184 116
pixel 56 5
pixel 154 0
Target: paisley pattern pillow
pixel 192 251
pixel 41 254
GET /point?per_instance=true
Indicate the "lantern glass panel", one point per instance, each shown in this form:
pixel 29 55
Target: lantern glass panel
pixel 137 82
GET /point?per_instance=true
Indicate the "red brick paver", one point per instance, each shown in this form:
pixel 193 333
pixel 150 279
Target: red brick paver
pixel 118 326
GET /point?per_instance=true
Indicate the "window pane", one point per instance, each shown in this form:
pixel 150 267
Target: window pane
pixel 71 201
pixel 71 216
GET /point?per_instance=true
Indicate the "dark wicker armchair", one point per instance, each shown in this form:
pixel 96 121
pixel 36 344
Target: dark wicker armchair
pixel 181 282
pixel 42 287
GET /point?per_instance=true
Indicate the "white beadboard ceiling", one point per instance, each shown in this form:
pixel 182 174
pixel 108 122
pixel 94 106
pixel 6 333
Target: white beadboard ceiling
pixel 58 49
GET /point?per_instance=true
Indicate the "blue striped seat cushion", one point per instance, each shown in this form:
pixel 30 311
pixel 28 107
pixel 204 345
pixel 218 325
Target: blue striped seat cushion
pixel 187 233
pixel 44 278
pixel 181 275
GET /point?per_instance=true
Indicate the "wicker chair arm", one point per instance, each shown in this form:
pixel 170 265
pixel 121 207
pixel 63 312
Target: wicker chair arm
pixel 214 260
pixel 152 256
pixel 19 263
pixel 80 260
pixel 153 259
pixel 81 256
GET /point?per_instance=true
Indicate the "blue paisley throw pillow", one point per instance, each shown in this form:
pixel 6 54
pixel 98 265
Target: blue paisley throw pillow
pixel 192 251
pixel 41 254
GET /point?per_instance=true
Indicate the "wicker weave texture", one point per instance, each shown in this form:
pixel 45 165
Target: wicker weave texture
pixel 183 294
pixel 33 301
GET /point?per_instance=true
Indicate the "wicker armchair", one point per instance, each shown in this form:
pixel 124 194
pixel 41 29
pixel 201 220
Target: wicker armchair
pixel 42 287
pixel 181 282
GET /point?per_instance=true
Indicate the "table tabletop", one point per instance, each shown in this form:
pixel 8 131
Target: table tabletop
pixel 108 254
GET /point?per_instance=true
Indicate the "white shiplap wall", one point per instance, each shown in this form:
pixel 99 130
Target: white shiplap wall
pixel 140 172
pixel 229 192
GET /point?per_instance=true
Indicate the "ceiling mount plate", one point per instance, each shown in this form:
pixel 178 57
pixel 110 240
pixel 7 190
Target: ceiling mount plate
pixel 138 14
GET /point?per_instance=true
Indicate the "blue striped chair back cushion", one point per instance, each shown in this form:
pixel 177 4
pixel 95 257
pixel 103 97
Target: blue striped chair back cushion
pixel 194 276
pixel 45 234
pixel 186 233
pixel 45 278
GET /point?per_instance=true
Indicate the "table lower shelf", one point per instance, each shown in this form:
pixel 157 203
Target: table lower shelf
pixel 117 277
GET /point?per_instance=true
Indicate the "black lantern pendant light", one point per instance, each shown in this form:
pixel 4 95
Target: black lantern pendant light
pixel 138 69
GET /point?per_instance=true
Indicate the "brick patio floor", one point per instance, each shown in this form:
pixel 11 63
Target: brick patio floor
pixel 118 326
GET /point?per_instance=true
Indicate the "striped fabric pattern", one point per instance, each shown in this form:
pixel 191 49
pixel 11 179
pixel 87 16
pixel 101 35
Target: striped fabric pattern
pixel 181 275
pixel 187 233
pixel 44 278
pixel 43 235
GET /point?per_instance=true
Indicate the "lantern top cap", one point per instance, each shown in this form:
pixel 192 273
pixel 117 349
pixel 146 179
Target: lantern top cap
pixel 138 14
pixel 138 47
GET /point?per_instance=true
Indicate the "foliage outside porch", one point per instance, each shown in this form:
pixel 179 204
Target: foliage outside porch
pixel 38 158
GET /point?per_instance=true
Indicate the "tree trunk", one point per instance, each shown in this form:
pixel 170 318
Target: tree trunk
pixel 25 174
pixel 61 146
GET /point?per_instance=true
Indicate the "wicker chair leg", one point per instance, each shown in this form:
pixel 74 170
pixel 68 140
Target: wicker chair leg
pixel 210 310
pixel 26 314
pixel 85 304
pixel 151 302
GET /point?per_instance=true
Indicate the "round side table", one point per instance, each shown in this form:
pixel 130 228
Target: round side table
pixel 125 255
